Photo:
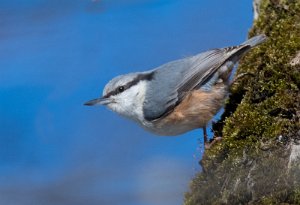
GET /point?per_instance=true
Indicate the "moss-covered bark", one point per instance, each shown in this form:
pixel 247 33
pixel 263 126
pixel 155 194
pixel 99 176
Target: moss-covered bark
pixel 257 160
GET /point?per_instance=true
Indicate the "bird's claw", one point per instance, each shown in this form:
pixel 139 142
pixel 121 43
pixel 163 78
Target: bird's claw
pixel 213 141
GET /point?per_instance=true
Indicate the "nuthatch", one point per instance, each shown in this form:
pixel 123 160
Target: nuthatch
pixel 178 96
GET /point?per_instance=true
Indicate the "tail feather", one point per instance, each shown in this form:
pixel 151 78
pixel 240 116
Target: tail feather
pixel 254 41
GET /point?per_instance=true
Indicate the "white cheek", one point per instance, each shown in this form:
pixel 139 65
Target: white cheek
pixel 129 103
pixel 112 107
pixel 119 106
pixel 115 107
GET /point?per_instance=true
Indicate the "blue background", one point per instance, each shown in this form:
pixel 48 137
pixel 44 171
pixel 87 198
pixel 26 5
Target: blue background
pixel 57 54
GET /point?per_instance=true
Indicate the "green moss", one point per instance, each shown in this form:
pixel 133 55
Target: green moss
pixel 262 108
pixel 294 198
pixel 267 101
pixel 271 96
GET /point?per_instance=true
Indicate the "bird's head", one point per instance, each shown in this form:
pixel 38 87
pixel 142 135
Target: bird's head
pixel 125 94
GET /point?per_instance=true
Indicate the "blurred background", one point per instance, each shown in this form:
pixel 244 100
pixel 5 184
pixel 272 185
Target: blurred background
pixel 57 54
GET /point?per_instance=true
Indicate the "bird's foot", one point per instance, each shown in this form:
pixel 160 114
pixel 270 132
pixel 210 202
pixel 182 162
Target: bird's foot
pixel 210 143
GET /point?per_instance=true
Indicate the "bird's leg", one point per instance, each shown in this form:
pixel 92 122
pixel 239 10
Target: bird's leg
pixel 212 142
pixel 204 135
pixel 209 143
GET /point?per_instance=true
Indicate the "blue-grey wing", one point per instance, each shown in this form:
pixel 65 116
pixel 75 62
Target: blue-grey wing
pixel 173 80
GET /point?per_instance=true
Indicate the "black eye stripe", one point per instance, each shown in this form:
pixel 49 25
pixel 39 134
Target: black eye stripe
pixel 140 77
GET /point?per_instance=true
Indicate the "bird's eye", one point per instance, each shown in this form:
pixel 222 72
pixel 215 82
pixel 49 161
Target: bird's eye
pixel 121 89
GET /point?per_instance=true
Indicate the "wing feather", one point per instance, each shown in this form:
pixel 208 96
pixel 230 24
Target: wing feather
pixel 172 81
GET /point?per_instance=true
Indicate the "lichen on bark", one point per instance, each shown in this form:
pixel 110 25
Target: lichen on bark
pixel 256 161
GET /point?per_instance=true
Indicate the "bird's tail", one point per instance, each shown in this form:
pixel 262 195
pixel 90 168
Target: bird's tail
pixel 256 40
pixel 246 46
pixel 239 52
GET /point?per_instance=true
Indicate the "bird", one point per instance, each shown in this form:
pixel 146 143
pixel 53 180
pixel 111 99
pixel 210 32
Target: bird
pixel 178 96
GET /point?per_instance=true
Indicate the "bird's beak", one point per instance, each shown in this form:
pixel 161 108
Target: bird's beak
pixel 98 101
